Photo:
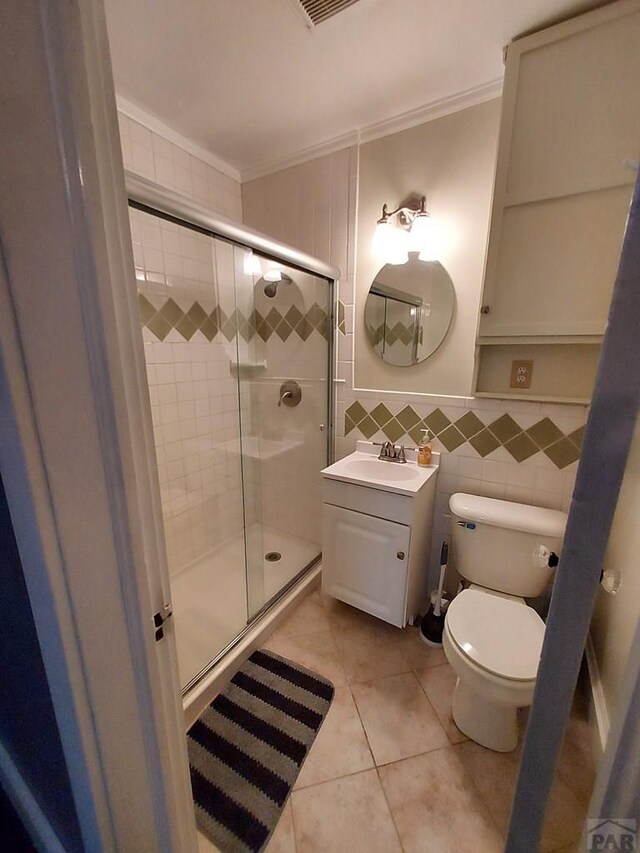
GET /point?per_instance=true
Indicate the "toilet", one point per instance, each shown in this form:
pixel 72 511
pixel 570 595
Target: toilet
pixel 492 638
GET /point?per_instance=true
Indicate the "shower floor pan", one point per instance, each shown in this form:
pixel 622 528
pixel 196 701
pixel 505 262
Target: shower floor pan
pixel 210 596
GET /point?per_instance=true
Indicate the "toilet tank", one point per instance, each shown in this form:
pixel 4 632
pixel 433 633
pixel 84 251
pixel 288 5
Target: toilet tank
pixel 503 545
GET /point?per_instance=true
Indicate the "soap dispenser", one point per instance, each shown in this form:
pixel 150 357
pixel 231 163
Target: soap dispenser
pixel 424 449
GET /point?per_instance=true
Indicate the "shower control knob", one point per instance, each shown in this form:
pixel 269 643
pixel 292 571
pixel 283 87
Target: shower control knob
pixel 400 555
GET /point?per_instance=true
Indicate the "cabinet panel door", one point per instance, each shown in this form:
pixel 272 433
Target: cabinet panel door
pixel 365 562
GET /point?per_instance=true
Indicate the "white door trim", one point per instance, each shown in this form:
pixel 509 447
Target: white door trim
pixel 610 427
pixel 76 448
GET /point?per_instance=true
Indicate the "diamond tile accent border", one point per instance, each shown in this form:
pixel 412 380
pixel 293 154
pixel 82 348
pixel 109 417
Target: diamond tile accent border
pixel 543 437
pixel 170 316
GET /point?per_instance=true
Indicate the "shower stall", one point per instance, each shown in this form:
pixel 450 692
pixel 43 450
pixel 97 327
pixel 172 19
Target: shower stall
pixel 238 339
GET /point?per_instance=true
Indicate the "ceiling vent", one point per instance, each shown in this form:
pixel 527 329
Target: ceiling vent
pixel 317 11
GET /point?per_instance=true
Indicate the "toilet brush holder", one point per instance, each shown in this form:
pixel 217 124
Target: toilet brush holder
pixel 432 624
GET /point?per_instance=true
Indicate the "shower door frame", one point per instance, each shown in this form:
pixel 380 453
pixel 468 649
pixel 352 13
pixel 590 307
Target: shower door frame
pixel 148 197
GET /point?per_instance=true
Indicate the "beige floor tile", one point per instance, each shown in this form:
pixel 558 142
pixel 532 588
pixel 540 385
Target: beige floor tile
pixel 346 815
pixel 370 651
pixel 417 652
pixel 438 683
pixel 397 718
pixel 340 748
pixel 436 807
pixel 282 840
pixel 309 616
pixel 316 650
pixel 206 846
pixel 494 775
pixel 576 765
pixel 343 616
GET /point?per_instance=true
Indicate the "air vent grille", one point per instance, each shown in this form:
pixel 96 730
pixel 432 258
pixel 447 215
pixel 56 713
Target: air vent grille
pixel 317 11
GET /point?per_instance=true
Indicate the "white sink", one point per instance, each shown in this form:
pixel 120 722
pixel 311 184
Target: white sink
pixel 376 469
pixel 365 469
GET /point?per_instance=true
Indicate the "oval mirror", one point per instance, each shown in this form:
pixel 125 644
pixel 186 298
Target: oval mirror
pixel 409 310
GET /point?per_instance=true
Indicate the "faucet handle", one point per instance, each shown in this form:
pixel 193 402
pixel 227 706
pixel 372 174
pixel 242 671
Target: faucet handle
pixel 401 454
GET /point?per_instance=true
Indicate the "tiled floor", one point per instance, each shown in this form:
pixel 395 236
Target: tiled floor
pixel 389 770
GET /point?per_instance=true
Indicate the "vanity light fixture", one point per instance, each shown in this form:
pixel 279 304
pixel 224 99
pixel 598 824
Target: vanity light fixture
pixel 412 232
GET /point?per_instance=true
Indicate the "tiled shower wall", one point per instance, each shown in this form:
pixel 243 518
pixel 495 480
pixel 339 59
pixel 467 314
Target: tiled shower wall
pixel 313 206
pixel 194 396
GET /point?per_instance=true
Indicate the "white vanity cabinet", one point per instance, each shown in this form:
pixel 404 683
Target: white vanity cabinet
pixel 376 542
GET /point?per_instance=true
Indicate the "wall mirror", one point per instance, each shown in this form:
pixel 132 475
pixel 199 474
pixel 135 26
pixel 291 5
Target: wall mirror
pixel 409 310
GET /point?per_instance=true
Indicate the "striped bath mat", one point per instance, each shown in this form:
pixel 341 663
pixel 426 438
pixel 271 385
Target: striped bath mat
pixel 247 748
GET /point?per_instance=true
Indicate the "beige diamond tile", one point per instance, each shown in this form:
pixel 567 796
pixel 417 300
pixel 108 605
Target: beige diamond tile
pixel 408 418
pixel 368 427
pixel 451 438
pixel 356 412
pixel 393 430
pixel 484 442
pixel 469 424
pixel 159 326
pixel 576 437
pixel 521 447
pixel 171 312
pixel 563 453
pixel 348 424
pixel 186 327
pixel 437 421
pixel 381 414
pixel 146 309
pixel 304 328
pixel 544 433
pixel 505 428
pixel 197 314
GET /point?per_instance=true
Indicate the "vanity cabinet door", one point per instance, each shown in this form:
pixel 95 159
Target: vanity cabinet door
pixel 364 562
pixel 570 132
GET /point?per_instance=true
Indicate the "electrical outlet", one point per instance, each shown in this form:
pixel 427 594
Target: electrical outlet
pixel 521 372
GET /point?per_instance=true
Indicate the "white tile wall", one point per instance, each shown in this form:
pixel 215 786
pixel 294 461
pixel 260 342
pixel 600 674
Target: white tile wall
pixel 313 206
pixel 152 156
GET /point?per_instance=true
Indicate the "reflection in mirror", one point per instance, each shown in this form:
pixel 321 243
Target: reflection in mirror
pixel 409 310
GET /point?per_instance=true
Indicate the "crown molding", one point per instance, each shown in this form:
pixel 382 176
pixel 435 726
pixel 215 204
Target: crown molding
pixel 404 121
pixel 133 111
pixel 338 143
pixel 435 109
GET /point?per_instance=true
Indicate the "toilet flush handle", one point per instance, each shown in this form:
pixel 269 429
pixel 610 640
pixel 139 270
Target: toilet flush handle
pixel 543 557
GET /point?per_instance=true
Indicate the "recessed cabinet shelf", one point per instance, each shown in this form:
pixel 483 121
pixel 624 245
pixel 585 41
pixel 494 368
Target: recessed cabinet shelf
pixel 569 129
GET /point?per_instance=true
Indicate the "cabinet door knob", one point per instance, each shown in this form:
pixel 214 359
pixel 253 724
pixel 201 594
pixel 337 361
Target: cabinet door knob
pixel 400 555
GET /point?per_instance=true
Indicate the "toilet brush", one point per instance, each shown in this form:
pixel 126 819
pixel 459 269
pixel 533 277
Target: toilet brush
pixel 432 624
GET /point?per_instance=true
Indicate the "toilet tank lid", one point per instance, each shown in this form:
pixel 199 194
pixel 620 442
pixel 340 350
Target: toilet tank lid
pixel 512 516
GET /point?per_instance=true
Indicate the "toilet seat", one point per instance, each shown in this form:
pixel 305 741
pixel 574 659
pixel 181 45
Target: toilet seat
pixel 499 633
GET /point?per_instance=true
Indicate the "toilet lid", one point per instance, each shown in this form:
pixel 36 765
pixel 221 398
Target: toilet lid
pixel 499 633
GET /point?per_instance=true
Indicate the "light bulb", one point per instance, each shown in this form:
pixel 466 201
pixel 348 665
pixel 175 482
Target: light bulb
pixel 273 274
pixel 251 264
pixel 390 244
pixel 421 237
pixel 382 241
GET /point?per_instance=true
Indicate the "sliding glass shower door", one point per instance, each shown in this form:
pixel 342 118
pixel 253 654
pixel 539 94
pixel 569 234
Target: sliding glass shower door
pixel 237 351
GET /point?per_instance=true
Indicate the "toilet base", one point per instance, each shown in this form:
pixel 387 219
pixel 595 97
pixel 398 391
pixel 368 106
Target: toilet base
pixel 491 725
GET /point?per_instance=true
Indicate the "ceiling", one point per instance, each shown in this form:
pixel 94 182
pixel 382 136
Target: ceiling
pixel 247 79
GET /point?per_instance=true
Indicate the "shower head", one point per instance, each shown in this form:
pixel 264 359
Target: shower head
pixel 271 287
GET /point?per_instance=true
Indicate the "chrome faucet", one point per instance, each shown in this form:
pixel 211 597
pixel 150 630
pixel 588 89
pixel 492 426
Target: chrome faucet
pixel 390 453
pixel 284 396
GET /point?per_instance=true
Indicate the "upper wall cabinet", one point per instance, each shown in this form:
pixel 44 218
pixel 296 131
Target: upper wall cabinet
pixel 569 139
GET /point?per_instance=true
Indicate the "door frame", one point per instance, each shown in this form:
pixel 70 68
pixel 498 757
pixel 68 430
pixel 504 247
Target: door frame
pixel 76 442
pixel 609 431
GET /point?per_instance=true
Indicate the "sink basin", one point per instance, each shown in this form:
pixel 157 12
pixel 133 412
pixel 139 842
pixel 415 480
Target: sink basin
pixel 363 468
pixel 375 469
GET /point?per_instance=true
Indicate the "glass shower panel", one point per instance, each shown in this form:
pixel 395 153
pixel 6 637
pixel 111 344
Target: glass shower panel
pixel 284 391
pixel 186 292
